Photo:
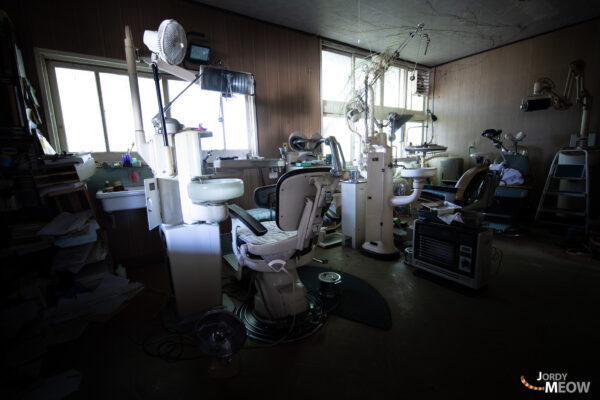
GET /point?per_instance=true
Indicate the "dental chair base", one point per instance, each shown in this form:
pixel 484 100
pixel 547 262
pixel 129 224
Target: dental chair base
pixel 279 291
pixel 279 294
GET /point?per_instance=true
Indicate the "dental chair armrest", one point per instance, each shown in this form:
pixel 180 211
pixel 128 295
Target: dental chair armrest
pixel 256 227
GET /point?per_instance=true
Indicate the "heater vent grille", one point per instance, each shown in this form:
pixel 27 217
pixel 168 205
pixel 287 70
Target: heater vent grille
pixel 436 251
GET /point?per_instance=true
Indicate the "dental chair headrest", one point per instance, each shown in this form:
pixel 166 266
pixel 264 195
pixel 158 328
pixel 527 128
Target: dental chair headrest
pixel 293 188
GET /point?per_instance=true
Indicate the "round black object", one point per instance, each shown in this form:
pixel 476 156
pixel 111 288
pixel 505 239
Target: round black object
pixel 330 284
pixel 220 334
pixel 285 330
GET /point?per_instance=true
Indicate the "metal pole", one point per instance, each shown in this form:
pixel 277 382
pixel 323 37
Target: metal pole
pixel 160 104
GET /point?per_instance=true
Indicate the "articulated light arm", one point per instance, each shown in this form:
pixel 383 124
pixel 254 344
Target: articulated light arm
pixel 544 95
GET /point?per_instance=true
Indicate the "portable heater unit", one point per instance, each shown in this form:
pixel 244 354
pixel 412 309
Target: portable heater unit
pixel 460 254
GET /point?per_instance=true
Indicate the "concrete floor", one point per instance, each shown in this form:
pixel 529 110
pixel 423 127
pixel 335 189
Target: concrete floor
pixel 539 313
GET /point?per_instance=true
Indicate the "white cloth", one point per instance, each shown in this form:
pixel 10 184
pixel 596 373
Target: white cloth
pixel 511 177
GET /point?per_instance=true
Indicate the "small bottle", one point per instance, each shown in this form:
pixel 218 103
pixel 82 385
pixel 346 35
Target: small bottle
pixel 108 187
pixel 121 271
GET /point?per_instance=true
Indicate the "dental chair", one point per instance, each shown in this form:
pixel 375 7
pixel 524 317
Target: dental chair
pixel 275 249
pixel 464 192
pixel 474 193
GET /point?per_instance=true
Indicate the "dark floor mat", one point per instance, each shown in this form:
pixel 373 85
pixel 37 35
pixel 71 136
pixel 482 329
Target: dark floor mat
pixel 358 302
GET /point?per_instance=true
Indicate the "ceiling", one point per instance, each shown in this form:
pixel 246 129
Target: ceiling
pixel 457 28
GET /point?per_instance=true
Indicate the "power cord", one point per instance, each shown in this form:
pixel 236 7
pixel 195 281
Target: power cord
pixel 171 347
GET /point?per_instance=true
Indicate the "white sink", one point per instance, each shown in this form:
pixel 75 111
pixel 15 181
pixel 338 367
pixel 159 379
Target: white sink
pixel 418 173
pixel 215 190
pixel 131 198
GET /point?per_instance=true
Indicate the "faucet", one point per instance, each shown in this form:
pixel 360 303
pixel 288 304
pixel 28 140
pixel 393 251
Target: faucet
pixel 205 161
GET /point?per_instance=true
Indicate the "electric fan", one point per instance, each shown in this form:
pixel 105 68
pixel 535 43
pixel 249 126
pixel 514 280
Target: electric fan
pixel 220 334
pixel 168 43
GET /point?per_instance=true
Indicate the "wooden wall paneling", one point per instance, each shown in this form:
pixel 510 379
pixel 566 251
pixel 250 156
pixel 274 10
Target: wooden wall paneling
pixel 485 91
pixel 63 16
pixel 89 32
pixel 264 84
pixel 314 72
pixel 131 14
pixel 34 25
pixel 112 28
pixel 307 72
pixel 274 76
pixel 234 43
pixel 289 118
pixel 247 42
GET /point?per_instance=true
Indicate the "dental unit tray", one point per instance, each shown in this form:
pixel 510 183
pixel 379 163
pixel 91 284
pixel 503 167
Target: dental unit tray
pixel 258 163
pixel 432 210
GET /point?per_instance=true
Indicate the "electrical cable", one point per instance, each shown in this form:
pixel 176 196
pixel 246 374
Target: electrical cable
pixel 170 347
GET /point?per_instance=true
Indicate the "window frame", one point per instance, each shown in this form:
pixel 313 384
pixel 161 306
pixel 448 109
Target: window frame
pixel 46 62
pixel 331 108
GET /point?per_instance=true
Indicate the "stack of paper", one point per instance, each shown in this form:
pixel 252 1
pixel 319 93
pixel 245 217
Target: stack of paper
pixel 72 229
pixel 110 293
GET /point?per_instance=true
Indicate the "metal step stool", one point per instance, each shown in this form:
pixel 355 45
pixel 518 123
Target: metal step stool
pixel 566 197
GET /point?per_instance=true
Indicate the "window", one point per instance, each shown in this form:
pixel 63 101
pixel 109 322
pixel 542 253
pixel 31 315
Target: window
pixel 90 102
pixel 342 74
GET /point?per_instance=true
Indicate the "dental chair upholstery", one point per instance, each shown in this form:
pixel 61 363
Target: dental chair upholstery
pixel 276 248
pixel 474 191
pixel 264 198
pixel 464 191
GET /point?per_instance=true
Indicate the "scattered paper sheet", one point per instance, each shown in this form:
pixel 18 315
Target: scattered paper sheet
pixel 93 273
pixel 87 235
pixel 111 292
pixel 72 258
pixel 449 218
pixel 65 223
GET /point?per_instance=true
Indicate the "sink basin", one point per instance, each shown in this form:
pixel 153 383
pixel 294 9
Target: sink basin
pixel 215 190
pixel 418 173
pixel 131 198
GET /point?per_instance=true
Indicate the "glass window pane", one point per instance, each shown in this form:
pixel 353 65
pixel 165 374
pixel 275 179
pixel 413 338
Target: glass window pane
pixel 402 88
pixel 236 123
pixel 415 101
pixel 336 76
pixel 359 80
pixel 414 133
pixel 336 126
pixel 197 106
pixel 80 110
pixel 118 113
pixel 391 90
pixel 148 102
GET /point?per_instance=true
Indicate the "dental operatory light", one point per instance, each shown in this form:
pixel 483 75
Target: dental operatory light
pixel 168 43
pixel 544 96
